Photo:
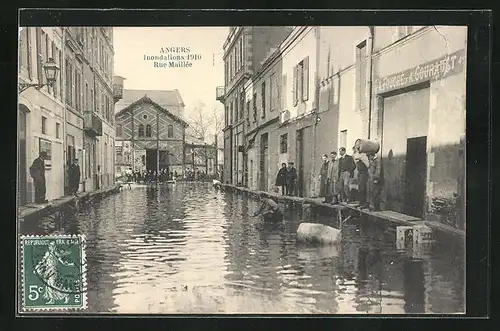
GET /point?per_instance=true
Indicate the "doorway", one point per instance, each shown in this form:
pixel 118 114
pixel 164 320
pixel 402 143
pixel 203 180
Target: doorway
pixel 264 151
pixel 416 169
pixel 300 162
pixel 22 184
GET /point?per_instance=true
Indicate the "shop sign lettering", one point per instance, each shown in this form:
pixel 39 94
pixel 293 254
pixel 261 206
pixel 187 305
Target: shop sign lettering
pixel 430 71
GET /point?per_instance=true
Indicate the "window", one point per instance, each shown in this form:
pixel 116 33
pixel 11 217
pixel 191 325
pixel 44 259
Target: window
pixel 343 138
pixel 248 112
pixel 236 113
pixel 91 102
pixel 44 125
pixel 241 51
pixel 58 130
pixel 226 115
pixel 263 98
pixel 301 82
pixel 231 117
pixel 284 143
pixel 242 105
pixel 148 130
pixel 78 91
pixel 60 82
pixel 86 96
pixel 119 130
pixel 170 131
pixel 361 76
pixel 141 130
pixel 255 107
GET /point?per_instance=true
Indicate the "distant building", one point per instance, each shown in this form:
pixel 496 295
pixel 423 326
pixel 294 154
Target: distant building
pixel 143 128
pixel 168 99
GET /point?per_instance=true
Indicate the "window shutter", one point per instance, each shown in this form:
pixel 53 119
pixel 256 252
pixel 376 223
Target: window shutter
pixel 295 86
pixel 28 51
pixel 39 55
pixel 305 80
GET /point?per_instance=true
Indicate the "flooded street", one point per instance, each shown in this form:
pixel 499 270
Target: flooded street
pixel 188 248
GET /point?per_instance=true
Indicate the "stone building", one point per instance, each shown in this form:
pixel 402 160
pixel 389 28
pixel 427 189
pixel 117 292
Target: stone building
pixel 144 128
pixel 40 112
pixel 89 98
pixel 244 50
pixel 338 84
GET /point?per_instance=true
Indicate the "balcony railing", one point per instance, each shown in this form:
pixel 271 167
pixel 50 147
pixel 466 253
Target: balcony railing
pixel 92 124
pixel 220 91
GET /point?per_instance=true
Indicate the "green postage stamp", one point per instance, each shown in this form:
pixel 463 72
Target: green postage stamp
pixel 54 276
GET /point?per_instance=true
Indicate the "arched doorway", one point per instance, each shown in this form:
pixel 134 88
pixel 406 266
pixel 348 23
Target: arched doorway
pixel 22 166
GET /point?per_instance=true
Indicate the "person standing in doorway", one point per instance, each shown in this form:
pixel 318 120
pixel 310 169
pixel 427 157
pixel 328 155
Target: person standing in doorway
pixel 37 172
pixel 281 178
pixel 323 179
pixel 346 172
pixel 362 164
pixel 74 177
pixel 291 179
pixel 333 178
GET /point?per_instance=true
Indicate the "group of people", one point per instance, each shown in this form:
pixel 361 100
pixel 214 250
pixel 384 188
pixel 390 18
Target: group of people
pixel 149 176
pixel 336 175
pixel 287 179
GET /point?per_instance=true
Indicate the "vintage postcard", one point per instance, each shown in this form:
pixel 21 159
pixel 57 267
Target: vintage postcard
pixel 242 169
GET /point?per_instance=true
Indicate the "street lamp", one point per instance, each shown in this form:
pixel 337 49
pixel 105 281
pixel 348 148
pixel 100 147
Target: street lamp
pixel 51 70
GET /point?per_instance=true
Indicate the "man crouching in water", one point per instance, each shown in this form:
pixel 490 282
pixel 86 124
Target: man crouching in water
pixel 269 209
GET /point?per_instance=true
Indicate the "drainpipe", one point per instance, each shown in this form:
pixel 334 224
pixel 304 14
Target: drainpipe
pixel 316 117
pixel 370 106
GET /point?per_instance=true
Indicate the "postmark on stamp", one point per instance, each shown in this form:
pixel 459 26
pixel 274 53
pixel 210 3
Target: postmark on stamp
pixel 54 273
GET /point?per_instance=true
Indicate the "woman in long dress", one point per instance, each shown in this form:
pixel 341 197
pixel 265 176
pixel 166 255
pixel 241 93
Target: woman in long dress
pixel 47 270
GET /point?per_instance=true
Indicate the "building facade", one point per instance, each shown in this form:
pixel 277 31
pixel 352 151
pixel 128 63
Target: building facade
pixel 244 51
pixel 89 98
pixel 149 136
pixel 40 112
pixel 339 84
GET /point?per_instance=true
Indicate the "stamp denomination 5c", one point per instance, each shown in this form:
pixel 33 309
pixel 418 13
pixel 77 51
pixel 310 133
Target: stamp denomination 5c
pixel 54 274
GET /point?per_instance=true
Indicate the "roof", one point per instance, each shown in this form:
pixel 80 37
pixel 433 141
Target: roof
pixel 165 98
pixel 146 99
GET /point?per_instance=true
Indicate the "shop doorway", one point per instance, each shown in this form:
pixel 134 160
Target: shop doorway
pixel 416 169
pixel 405 129
pixel 22 166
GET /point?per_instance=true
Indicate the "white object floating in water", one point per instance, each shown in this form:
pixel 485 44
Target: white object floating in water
pixel 318 233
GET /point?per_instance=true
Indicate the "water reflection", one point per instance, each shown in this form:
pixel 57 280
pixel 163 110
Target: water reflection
pixel 187 248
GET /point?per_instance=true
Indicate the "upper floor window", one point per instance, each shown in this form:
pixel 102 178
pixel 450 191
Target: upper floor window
pixel 141 130
pixel 148 130
pixel 170 131
pixel 301 81
pixel 263 99
pixel 119 130
pixel 284 143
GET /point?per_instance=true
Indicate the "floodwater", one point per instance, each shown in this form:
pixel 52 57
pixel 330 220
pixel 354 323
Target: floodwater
pixel 187 248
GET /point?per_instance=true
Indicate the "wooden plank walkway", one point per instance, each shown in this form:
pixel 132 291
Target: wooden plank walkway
pixel 386 215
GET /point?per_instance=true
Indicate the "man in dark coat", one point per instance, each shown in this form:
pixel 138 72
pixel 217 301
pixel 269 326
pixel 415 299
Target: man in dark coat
pixel 362 164
pixel 37 172
pixel 346 173
pixel 74 177
pixel 281 178
pixel 323 179
pixel 291 179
